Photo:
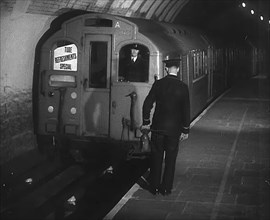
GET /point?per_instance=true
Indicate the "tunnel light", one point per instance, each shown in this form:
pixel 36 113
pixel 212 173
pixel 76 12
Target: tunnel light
pixel 269 22
pixel 261 17
pixel 252 11
pixel 243 4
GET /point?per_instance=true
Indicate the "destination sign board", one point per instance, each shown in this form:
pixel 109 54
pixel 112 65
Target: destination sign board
pixel 65 58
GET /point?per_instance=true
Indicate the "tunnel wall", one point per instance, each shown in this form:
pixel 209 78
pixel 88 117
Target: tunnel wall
pixel 20 33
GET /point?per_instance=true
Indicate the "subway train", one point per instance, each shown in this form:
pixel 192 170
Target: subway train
pixel 79 89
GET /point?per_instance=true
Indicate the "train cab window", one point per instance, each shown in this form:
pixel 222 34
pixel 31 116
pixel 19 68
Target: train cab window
pixel 133 63
pixel 98 64
pixel 65 56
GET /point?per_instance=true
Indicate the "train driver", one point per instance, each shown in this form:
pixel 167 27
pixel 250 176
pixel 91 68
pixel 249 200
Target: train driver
pixel 134 68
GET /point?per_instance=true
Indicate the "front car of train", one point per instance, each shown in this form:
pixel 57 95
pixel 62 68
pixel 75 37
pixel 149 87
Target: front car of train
pixel 87 87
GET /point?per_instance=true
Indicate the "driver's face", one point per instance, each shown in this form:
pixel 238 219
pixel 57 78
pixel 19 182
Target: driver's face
pixel 134 52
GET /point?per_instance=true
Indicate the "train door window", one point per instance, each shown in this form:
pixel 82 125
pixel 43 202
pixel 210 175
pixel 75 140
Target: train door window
pixel 199 64
pixel 65 56
pixel 98 64
pixel 205 63
pixel 133 70
pixel 196 65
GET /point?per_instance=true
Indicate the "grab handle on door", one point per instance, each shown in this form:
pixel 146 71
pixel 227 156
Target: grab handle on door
pixel 85 83
pixel 133 98
pixel 113 104
pixel 113 107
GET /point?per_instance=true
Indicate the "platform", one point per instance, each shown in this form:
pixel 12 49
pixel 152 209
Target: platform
pixel 222 170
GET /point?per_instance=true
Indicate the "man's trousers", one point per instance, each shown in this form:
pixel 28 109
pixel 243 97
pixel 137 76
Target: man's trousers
pixel 160 144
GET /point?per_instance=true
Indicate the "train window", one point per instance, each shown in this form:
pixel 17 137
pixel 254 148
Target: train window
pixel 199 63
pixel 130 69
pixel 93 22
pixel 65 55
pixel 62 81
pixel 98 64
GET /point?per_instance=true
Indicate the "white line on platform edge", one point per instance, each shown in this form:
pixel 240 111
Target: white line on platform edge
pixel 122 202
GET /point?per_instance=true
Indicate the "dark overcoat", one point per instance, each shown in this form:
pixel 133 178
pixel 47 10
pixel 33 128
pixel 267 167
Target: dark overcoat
pixel 172 110
pixel 135 71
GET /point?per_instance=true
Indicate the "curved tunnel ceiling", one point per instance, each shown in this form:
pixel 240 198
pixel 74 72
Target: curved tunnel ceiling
pixel 162 10
pixel 217 16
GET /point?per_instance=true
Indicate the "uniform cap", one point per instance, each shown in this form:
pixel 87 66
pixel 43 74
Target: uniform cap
pixel 134 46
pixel 172 62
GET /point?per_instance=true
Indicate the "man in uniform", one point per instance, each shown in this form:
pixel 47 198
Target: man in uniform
pixel 170 123
pixel 134 68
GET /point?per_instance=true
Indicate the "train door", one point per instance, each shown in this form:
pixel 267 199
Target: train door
pixel 130 85
pixel 96 85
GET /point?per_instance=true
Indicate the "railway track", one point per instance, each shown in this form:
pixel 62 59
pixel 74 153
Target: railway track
pixel 71 190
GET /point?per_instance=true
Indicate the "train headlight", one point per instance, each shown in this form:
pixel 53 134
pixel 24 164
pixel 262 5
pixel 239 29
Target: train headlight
pixel 73 110
pixel 50 109
pixel 73 95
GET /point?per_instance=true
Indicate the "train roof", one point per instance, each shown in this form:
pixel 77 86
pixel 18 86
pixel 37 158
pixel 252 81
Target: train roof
pixel 171 37
pixel 168 38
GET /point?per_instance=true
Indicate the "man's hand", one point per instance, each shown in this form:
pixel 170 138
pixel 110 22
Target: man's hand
pixel 183 137
pixel 145 127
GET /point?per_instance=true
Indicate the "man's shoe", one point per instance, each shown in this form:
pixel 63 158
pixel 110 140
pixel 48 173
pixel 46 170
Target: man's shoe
pixel 154 191
pixel 165 192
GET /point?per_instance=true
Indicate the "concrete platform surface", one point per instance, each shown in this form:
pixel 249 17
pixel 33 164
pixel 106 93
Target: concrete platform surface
pixel 222 170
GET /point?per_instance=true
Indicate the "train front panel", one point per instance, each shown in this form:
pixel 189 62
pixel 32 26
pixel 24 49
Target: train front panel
pixel 83 92
pixel 59 90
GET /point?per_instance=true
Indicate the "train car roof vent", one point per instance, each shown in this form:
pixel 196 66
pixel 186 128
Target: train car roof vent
pixel 98 22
